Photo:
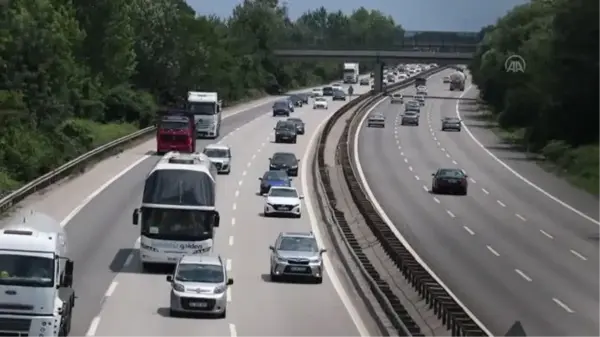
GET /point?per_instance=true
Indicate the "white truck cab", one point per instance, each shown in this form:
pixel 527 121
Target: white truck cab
pixel 36 278
pixel 206 108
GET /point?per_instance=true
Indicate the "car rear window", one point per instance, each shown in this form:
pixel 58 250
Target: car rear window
pixel 451 173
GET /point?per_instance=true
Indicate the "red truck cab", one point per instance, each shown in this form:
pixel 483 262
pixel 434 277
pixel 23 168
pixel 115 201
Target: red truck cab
pixel 175 131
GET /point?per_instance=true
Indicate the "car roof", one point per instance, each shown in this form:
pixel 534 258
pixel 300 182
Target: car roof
pixel 297 234
pixel 201 259
pixel 283 188
pixel 217 147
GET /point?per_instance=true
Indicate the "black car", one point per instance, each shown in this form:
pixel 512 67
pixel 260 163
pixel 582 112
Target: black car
pixel 451 123
pixel 284 161
pixel 338 95
pixel 299 124
pixel 327 91
pixel 285 131
pixel 281 108
pixel 297 100
pixel 304 96
pixel 449 180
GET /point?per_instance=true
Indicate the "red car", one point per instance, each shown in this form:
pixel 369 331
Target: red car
pixel 449 180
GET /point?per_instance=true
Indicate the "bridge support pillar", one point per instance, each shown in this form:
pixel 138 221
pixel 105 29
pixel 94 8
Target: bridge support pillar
pixel 378 76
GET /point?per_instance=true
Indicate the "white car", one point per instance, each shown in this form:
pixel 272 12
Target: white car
pixel 337 87
pixel 320 103
pixel 317 92
pixel 421 88
pixel 283 200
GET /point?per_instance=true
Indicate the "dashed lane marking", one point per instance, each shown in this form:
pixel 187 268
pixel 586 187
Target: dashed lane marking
pixel 523 275
pixel 562 305
pixel 469 230
pixel 492 250
pixel 546 234
pixel 576 253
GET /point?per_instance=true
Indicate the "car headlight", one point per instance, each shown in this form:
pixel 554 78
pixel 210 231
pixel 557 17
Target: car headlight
pixel 281 259
pixel 178 287
pixel 220 289
pixel 315 260
pixel 294 167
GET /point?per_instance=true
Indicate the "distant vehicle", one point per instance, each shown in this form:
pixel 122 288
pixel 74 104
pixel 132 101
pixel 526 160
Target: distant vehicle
pixel 285 131
pixel 206 107
pixel 337 87
pixel 420 99
pixel 412 106
pixel 451 123
pixel 282 200
pixel 420 80
pixel 397 98
pixel 449 180
pixel 328 91
pixel 284 161
pixel 422 90
pixel 305 96
pixel 299 125
pixel 364 81
pixel 296 255
pixel 457 81
pixel 274 178
pixel 199 285
pixel 320 103
pixel 175 131
pixel 338 95
pixel 351 72
pixel 317 92
pixel 297 100
pixel 446 79
pixel 410 118
pixel 220 156
pixel 290 104
pixel 281 108
pixel 376 119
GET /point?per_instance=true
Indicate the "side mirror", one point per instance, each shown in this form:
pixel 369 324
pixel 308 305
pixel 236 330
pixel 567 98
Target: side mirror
pixel 169 278
pixel 259 178
pixel 433 174
pixel 135 217
pixel 264 194
pixel 301 197
pixel 466 176
pixel 269 158
pixel 298 160
pixel 229 281
pixel 271 248
pixel 322 251
pixel 217 219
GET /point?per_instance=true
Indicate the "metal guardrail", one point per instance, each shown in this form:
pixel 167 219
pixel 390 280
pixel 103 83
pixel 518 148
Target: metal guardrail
pixel 68 168
pixel 434 294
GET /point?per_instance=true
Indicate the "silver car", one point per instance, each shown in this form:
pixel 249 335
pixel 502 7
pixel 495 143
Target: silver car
pixel 397 98
pixel 412 106
pixel 410 118
pixel 451 123
pixel 199 285
pixel 296 255
pixel 420 99
pixel 220 156
pixel 377 119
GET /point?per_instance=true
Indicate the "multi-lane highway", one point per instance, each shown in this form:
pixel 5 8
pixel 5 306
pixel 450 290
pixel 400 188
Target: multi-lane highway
pixel 505 250
pixel 115 298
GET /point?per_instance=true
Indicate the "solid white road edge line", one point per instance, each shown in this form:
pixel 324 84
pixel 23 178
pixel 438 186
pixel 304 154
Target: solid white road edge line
pixel 394 230
pixel 515 173
pixel 335 281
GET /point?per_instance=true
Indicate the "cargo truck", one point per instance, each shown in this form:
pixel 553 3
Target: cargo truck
pixel 351 71
pixel 36 278
pixel 457 81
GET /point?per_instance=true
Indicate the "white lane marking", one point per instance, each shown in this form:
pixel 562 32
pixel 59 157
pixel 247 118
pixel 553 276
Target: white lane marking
pixel 447 155
pixel 435 138
pixel 234 206
pixel 231 240
pixel 451 214
pixel 228 294
pixel 472 180
pixel 515 173
pixel 232 330
pixel 314 223
pixel 233 221
pixel 492 250
pixel 443 150
pixel 576 253
pixel 562 305
pixel 237 193
pixel 520 217
pixel 402 153
pixel 254 156
pixel 470 231
pixel 128 260
pixel 394 230
pixel 417 177
pixel 439 144
pixel 436 200
pixel 546 234
pixel 426 188
pixel 406 160
pixel 400 147
pixel 500 203
pixel 249 164
pixel 111 289
pixel 410 168
pixel 244 173
pixel 228 265
pixel 93 326
pixel 454 162
pixel 485 191
pixel 523 275
pixel 240 182
pixel 262 145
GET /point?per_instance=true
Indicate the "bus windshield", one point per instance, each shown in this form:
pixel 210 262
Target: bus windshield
pixel 203 108
pixel 177 224
pixel 26 270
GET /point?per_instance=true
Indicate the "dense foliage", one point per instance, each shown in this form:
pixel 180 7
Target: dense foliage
pixel 553 105
pixel 78 73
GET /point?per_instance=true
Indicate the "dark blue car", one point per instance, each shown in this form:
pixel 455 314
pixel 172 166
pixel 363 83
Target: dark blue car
pixel 274 178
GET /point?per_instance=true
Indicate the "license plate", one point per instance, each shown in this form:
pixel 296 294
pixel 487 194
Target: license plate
pixel 174 259
pixel 198 304
pixel 452 181
pixel 283 208
pixel 202 133
pixel 298 268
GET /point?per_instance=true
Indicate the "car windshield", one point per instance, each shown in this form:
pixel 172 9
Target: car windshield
pixel 338 93
pixel 298 244
pixel 216 153
pixel 327 89
pixel 280 105
pixel 287 125
pixel 174 125
pixel 283 192
pixel 451 173
pixel 409 103
pixel 275 175
pixel 320 99
pixel 410 114
pixel 452 120
pixel 284 158
pixel 173 224
pixel 200 273
pixel 26 270
pixel 203 108
pixel 295 120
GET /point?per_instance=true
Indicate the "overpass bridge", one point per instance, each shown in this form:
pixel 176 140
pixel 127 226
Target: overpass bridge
pixel 443 48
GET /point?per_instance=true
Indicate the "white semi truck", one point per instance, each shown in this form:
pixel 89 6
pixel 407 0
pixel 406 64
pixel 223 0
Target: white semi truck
pixel 351 72
pixel 36 278
pixel 178 214
pixel 206 108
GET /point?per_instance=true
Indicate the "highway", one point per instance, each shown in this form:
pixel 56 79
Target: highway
pixel 507 251
pixel 115 298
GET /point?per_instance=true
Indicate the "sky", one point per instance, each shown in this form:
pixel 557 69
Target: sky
pixel 415 15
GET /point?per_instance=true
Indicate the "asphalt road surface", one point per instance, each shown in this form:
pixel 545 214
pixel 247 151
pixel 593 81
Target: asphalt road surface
pixel 115 298
pixel 507 251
